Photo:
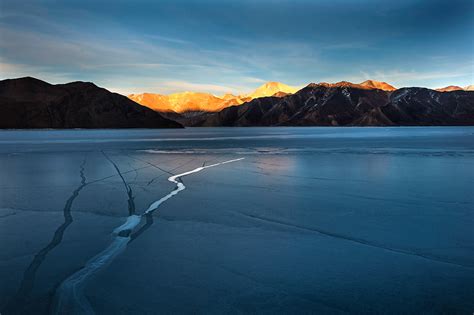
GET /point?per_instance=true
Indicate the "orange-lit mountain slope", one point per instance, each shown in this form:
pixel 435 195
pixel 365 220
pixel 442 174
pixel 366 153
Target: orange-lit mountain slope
pixel 196 101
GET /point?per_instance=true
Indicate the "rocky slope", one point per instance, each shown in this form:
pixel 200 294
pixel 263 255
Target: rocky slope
pixel 450 88
pixel 32 103
pixel 204 102
pixel 183 102
pixel 469 88
pixel 372 84
pixel 347 104
pixel 270 89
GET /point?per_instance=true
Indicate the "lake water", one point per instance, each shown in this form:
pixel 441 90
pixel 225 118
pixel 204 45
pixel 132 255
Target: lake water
pixel 258 220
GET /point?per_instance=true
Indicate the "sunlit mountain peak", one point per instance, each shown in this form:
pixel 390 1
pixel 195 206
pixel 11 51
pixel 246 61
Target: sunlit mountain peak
pixel 378 85
pixel 271 88
pixel 449 88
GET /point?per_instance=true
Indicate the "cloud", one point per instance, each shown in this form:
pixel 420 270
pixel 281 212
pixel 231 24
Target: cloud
pixel 15 70
pixel 254 80
pixel 347 46
pixel 168 87
pixel 166 49
pixel 431 79
pixel 404 78
pixel 168 39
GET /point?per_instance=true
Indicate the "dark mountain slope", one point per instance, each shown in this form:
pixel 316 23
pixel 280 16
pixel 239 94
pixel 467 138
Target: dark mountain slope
pixel 334 106
pixel 32 103
pixel 248 114
pixel 349 105
pixel 420 106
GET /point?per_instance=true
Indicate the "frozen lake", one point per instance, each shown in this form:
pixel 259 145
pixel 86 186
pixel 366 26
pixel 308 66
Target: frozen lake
pixel 237 220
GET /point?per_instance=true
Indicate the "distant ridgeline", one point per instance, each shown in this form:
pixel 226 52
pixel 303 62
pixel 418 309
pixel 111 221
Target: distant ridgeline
pixel 31 103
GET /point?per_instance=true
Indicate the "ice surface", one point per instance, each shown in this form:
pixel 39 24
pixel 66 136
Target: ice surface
pixel 313 220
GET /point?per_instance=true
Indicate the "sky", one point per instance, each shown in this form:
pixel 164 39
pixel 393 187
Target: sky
pixel 236 45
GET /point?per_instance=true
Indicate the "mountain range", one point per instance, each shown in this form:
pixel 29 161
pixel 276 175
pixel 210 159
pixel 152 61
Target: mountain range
pixel 32 103
pixel 195 101
pixel 347 104
pixel 332 104
pixel 186 102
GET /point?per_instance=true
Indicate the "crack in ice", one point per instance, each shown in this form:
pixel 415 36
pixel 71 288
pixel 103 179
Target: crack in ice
pixel 29 275
pixel 131 202
pixel 69 297
pixel 357 241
